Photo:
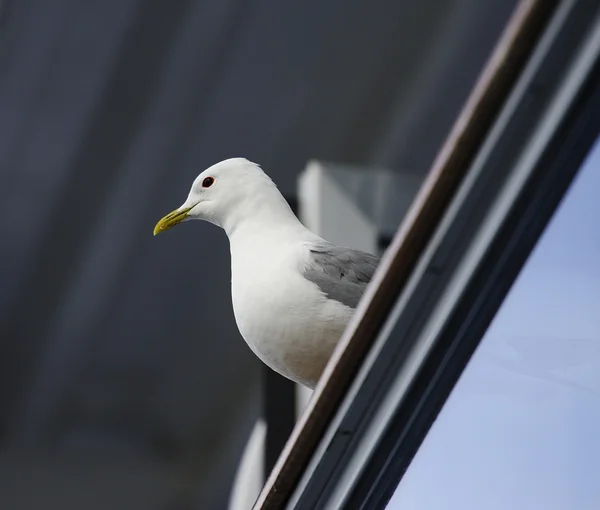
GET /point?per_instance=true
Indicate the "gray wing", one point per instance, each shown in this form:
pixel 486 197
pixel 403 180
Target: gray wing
pixel 341 273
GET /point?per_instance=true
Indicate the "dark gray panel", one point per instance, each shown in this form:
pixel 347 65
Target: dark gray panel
pixel 111 340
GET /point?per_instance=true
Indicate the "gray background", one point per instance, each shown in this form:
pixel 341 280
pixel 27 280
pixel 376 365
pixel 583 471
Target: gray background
pixel 123 380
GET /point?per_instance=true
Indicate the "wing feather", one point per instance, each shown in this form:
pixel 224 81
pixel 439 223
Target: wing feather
pixel 340 273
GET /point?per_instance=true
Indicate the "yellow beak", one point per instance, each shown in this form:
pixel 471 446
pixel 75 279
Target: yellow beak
pixel 170 220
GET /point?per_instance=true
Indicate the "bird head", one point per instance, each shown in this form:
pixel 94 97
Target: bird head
pixel 221 194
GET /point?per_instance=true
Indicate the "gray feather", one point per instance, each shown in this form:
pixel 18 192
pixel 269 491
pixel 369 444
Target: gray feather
pixel 342 274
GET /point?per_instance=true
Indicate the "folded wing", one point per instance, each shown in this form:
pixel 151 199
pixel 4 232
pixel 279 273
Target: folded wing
pixel 340 273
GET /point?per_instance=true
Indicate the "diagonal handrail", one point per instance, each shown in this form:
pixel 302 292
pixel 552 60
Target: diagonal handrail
pixel 469 131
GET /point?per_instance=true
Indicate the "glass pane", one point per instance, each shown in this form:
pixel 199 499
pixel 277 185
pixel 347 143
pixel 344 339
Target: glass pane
pixel 521 430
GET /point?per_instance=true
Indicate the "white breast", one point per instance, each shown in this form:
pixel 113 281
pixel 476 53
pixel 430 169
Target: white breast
pixel 285 319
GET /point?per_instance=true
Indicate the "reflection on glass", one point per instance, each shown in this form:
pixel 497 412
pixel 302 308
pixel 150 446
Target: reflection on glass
pixel 521 430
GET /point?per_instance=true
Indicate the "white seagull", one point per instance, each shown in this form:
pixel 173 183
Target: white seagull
pixel 293 292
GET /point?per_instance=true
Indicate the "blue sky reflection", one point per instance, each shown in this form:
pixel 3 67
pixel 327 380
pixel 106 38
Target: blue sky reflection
pixel 521 429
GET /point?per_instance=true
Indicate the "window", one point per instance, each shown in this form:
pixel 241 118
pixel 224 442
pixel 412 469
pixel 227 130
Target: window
pixel 485 365
pixel 520 428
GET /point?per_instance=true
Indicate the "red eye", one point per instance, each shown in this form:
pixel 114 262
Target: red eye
pixel 207 182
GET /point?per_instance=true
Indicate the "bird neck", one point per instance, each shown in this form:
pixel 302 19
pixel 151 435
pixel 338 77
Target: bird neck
pixel 261 213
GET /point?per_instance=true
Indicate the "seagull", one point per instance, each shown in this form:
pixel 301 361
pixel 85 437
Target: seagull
pixel 293 293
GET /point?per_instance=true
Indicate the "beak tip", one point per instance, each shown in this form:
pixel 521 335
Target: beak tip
pixel 170 220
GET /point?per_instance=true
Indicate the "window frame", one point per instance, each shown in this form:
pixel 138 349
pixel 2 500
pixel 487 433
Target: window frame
pixel 336 442
pixel 515 237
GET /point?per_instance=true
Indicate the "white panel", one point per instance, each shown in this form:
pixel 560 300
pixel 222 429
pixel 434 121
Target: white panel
pixel 330 212
pixel 249 478
pixel 348 206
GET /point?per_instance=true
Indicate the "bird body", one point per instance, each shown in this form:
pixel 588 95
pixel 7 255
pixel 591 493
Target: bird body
pixel 294 327
pixel 293 293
